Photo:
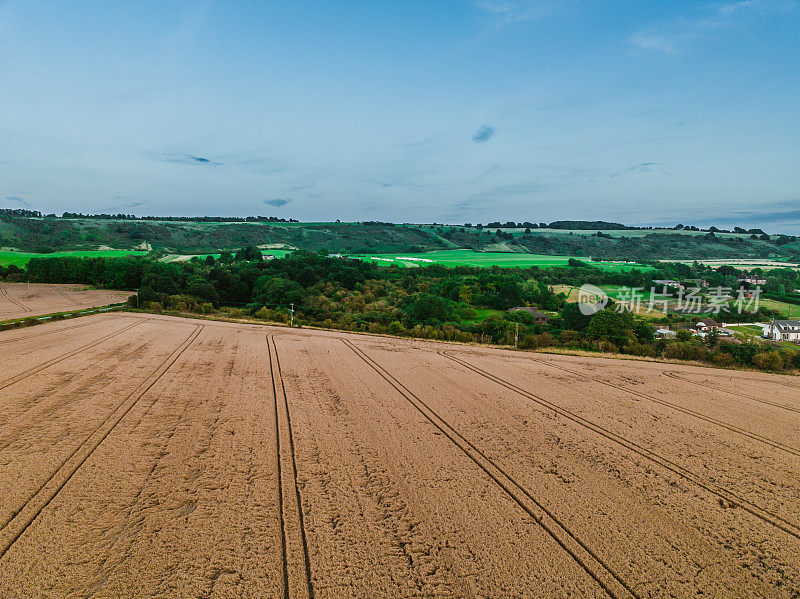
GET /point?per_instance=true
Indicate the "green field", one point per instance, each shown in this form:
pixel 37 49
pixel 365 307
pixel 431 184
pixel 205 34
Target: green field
pixel 487 259
pixel 21 258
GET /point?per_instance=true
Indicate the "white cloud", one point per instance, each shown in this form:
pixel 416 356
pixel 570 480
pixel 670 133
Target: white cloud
pixel 671 37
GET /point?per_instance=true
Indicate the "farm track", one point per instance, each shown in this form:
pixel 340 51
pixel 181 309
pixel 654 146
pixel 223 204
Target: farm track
pixel 676 376
pixel 291 511
pixel 30 372
pixel 13 529
pixel 592 564
pixel 735 429
pixel 732 498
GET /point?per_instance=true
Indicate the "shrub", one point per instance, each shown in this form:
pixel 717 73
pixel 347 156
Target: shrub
pixel 723 359
pixel 771 360
pixel 396 328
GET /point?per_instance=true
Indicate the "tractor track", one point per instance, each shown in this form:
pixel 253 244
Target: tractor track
pixel 45 333
pixel 11 530
pixel 308 589
pixel 675 375
pixel 4 294
pixel 719 492
pixel 730 427
pixel 612 583
pixel 31 371
pixel 63 294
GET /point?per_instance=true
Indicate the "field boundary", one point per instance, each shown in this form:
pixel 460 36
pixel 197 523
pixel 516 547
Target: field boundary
pixel 722 494
pixel 555 351
pixel 25 321
pixel 592 564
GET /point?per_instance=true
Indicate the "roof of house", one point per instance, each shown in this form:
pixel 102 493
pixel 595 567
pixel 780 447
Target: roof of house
pixel 708 323
pixel 785 325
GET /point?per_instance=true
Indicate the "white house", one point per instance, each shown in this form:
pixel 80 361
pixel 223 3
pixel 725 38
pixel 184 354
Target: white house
pixel 782 330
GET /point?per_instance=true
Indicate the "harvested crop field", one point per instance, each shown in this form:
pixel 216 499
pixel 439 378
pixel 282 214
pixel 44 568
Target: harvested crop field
pixel 21 300
pixel 145 456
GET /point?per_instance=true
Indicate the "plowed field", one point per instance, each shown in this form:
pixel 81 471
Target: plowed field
pixel 149 456
pixel 20 300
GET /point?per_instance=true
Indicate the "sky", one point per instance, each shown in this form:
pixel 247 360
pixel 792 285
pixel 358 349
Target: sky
pixel 636 111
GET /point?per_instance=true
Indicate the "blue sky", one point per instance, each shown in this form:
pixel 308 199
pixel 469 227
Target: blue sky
pixel 469 111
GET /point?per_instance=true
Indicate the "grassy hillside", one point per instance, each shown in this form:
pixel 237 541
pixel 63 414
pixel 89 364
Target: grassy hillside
pixel 49 234
pixel 32 234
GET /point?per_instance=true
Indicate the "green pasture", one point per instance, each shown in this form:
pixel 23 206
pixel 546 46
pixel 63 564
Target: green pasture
pixel 21 258
pixel 487 259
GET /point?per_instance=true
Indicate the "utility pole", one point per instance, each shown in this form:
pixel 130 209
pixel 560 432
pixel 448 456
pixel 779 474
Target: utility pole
pixel 516 336
pixel 292 322
pixel 137 298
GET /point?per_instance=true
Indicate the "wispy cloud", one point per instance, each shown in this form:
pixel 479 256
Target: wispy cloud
pixel 277 202
pixel 642 167
pixel 184 159
pixel 517 11
pixel 18 200
pixel 483 134
pixel 672 37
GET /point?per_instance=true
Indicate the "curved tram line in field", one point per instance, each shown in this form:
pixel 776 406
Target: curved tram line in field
pixel 4 295
pixel 675 375
pixel 21 519
pixel 735 429
pixel 614 585
pixel 721 493
pixel 286 512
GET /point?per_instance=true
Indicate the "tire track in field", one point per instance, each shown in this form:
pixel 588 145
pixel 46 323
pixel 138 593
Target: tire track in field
pixel 45 333
pixel 730 427
pixel 602 573
pixel 30 372
pixel 283 421
pixel 21 520
pixel 675 375
pixel 4 293
pixel 62 293
pixel 721 493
